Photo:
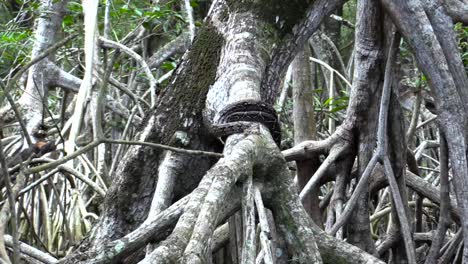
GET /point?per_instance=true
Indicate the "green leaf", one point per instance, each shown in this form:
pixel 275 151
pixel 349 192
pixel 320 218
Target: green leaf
pixel 328 101
pixel 67 21
pixel 147 25
pixel 194 3
pixel 138 12
pixel 338 108
pixel 168 65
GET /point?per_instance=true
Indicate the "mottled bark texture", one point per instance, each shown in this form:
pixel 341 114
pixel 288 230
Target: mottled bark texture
pixel 425 40
pixel 226 63
pixel 305 127
pixel 367 82
pixel 293 42
pixel 457 9
pixel 178 109
pixel 42 75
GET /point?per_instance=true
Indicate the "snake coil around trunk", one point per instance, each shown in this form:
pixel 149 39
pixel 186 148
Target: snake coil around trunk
pixel 240 116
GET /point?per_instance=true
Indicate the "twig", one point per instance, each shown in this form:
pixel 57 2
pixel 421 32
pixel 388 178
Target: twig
pixel 179 44
pixel 116 156
pixel 315 179
pixel 343 21
pixel 84 179
pixel 124 89
pixel 426 122
pixel 415 116
pixel 164 147
pixel 140 60
pixel 265 234
pixel 31 251
pixel 331 69
pixel 37 182
pixel 35 60
pixel 63 210
pixel 17 114
pixel 444 214
pixel 69 170
pixel 96 142
pixel 63 160
pixel 4 214
pixel 451 247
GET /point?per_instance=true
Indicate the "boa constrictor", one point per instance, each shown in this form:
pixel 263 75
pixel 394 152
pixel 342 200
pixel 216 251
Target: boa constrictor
pixel 241 116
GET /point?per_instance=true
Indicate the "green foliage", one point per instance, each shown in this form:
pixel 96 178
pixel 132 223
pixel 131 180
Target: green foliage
pixel 5 14
pixel 16 33
pixel 169 65
pixel 126 15
pixel 335 104
pixel 462 34
pixel 194 3
pixel 74 17
pixel 347 34
pixel 16 39
pixel 14 46
pixel 332 105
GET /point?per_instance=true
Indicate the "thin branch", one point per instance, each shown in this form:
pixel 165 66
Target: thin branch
pixel 382 147
pixel 96 142
pixel 381 154
pixel 331 159
pixel 8 208
pixel 331 69
pixel 35 60
pixel 428 121
pixel 451 247
pixel 191 21
pixel 351 204
pixel 17 114
pixel 444 214
pixel 37 182
pixel 90 25
pixel 164 147
pixel 140 60
pixel 400 208
pixel 31 251
pixel 179 44
pixel 265 233
pixel 415 115
pixel 343 21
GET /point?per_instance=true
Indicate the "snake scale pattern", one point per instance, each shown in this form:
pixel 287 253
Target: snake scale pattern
pixel 242 115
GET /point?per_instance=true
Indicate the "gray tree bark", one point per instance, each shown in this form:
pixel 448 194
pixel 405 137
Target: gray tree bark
pixel 227 63
pixel 305 127
pixel 416 27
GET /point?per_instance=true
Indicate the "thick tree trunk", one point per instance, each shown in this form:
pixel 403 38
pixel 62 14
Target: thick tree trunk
pixel 225 65
pixel 368 83
pixel 48 28
pixel 179 207
pixel 130 196
pixel 305 127
pixel 416 27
